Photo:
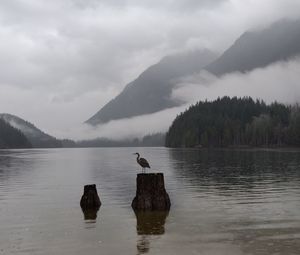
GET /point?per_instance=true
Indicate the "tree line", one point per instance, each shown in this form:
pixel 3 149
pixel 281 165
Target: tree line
pixel 236 122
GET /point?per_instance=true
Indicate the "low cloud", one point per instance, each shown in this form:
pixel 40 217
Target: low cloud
pixel 135 127
pixel 277 82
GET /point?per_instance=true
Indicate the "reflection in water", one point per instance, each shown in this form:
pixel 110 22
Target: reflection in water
pixel 90 214
pixel 235 170
pixel 236 202
pixel 14 163
pixel 16 169
pixel 143 245
pixel 252 194
pixel 149 223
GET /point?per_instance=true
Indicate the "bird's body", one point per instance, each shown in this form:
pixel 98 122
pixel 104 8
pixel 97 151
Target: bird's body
pixel 142 162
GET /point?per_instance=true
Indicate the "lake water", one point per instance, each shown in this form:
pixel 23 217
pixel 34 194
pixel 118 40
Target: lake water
pixel 223 202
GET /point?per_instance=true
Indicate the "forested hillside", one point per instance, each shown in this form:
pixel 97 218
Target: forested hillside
pixel 11 137
pixel 236 122
pixel 37 137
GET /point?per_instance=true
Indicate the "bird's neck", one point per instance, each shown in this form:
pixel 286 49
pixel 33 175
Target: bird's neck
pixel 138 157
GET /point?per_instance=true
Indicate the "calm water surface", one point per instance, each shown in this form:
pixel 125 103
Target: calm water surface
pixel 223 202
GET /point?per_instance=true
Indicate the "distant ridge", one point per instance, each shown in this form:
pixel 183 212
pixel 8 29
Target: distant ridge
pixel 151 91
pixel 37 138
pixel 279 42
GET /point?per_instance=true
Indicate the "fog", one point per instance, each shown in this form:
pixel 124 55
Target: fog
pixel 135 127
pixel 62 60
pixel 277 82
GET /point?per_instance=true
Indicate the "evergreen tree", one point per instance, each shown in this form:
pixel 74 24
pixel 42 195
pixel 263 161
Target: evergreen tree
pixel 235 122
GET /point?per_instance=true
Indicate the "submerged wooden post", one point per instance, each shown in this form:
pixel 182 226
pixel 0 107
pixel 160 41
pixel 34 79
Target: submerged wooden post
pixel 90 199
pixel 151 194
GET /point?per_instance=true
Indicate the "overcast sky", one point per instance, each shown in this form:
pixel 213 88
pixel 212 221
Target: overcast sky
pixel 61 60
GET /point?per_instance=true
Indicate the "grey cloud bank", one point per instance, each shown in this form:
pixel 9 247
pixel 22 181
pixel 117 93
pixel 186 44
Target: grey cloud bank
pixel 277 82
pixel 62 60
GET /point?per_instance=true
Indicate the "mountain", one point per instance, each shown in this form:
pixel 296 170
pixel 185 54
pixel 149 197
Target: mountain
pixel 37 138
pixel 151 91
pixel 278 42
pixel 12 138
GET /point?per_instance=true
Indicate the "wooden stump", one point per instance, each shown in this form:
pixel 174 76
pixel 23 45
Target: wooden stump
pixel 90 199
pixel 150 193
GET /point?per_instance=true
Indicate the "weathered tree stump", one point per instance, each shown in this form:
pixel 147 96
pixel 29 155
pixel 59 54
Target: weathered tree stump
pixel 90 199
pixel 150 193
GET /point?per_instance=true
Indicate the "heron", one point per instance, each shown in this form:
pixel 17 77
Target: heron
pixel 142 162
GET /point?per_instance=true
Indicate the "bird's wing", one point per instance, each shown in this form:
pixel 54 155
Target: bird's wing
pixel 144 162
